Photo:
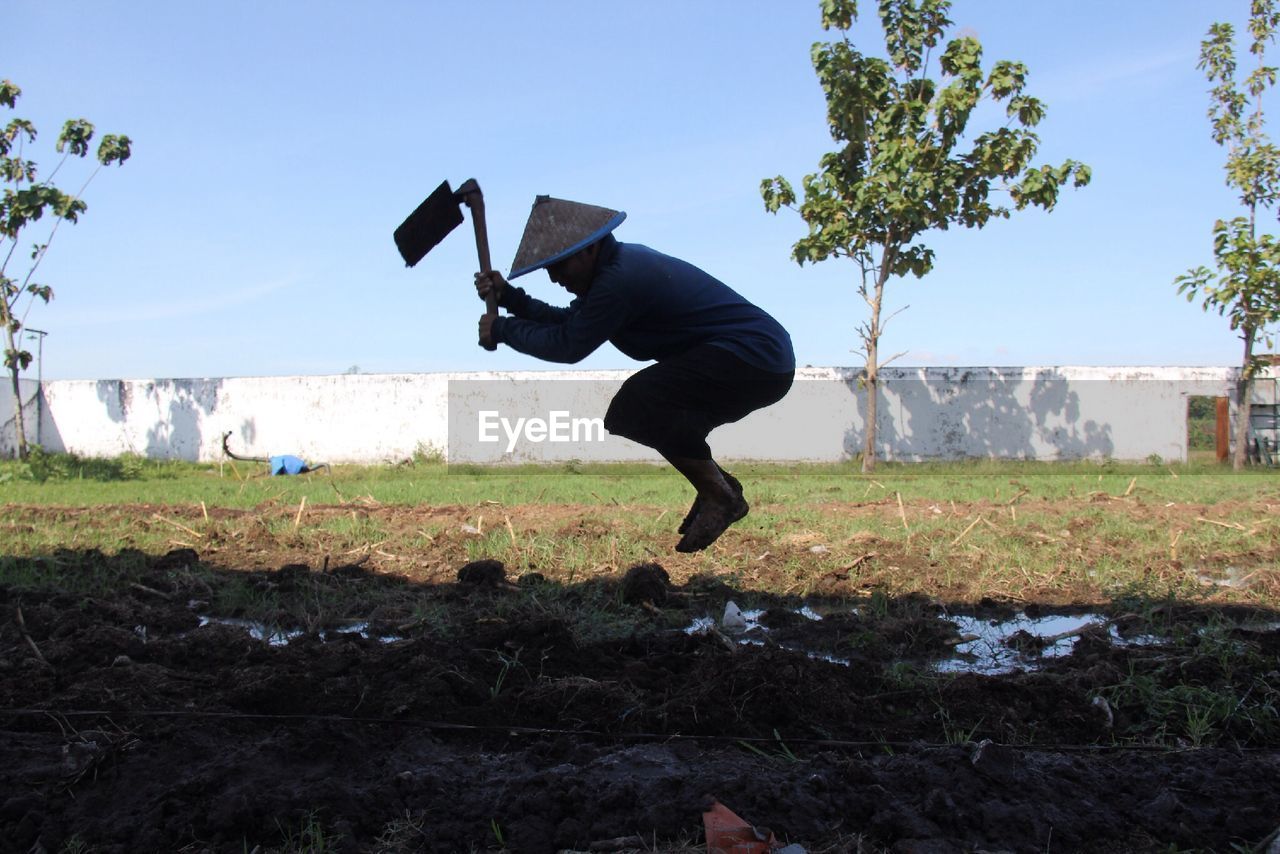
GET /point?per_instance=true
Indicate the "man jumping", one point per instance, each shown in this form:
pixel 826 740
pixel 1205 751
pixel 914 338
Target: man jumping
pixel 717 356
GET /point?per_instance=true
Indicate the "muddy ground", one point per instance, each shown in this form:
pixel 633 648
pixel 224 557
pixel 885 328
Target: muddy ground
pixel 477 713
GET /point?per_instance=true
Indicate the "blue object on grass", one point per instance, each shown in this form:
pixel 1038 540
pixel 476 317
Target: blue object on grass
pixel 288 464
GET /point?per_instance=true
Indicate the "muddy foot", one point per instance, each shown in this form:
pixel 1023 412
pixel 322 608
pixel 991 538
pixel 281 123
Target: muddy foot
pixel 712 521
pixel 734 484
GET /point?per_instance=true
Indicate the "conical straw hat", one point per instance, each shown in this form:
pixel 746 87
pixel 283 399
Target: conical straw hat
pixel 559 228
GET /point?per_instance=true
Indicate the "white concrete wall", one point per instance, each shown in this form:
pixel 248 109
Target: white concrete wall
pixel 1006 413
pixel 924 413
pixel 346 418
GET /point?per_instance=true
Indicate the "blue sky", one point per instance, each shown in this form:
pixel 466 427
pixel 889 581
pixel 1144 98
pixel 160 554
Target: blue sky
pixel 277 146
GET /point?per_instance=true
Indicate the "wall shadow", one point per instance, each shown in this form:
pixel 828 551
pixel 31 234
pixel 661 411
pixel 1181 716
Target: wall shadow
pixel 177 434
pixel 181 407
pixel 978 413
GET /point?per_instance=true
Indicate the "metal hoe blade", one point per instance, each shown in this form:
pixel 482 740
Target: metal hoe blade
pixel 430 223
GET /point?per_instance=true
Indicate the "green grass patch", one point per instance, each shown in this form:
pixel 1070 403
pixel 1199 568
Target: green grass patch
pixel 1071 531
pixel 71 480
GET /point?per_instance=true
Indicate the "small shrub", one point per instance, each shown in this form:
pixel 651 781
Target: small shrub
pixel 43 466
pixel 428 454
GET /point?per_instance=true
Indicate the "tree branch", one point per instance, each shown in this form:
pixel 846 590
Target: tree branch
pixel 892 358
pixel 9 256
pixel 57 168
pixel 884 324
pixel 44 247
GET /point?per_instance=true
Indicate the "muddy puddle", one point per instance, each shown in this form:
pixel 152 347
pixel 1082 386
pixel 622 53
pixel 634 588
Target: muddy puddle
pixel 1025 643
pixel 980 644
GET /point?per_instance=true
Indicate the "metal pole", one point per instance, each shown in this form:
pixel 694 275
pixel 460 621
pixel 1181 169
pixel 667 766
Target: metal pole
pixel 39 333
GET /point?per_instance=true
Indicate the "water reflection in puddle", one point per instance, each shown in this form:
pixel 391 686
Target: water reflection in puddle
pixel 745 628
pixel 989 650
pixel 255 630
pixel 281 637
pixel 988 647
pixel 699 625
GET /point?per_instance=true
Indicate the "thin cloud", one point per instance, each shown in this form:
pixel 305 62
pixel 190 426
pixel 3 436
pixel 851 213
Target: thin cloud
pixel 1085 81
pixel 210 300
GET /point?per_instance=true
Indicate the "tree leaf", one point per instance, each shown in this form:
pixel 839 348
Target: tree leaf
pixel 9 93
pixel 75 137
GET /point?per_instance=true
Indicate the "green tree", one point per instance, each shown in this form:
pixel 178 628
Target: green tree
pixel 26 200
pixel 1245 288
pixel 908 161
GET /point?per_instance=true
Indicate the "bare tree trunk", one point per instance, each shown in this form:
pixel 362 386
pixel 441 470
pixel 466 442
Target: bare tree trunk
pixel 1244 399
pixel 12 351
pixel 871 341
pixel 18 427
pixel 872 385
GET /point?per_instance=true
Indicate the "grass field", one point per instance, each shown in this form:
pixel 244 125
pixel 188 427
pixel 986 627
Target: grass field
pixel 1060 532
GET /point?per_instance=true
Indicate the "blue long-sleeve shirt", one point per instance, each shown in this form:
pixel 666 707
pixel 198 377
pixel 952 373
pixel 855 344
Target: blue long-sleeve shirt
pixel 649 306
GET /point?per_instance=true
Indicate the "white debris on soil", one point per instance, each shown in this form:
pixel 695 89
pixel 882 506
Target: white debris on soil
pixel 1101 703
pixel 733 621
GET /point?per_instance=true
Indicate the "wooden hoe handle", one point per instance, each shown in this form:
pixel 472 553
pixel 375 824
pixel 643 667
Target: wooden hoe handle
pixel 470 193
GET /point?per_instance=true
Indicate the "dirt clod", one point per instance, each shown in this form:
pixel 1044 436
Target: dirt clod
pixel 483 573
pixel 645 582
